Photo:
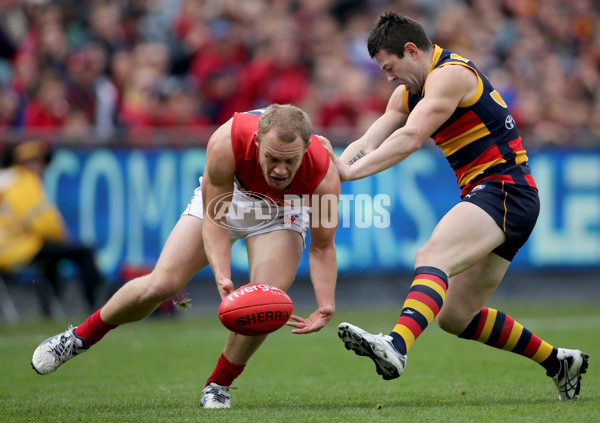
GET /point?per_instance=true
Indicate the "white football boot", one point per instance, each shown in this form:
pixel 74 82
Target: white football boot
pixel 216 396
pixel 573 363
pixel 53 352
pixel 389 362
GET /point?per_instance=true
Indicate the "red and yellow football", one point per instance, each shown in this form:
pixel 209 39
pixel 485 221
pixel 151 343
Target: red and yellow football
pixel 255 309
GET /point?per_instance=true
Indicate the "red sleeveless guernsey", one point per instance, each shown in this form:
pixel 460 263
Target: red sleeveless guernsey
pixel 248 173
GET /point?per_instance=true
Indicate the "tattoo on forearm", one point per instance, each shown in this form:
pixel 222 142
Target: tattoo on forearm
pixel 358 156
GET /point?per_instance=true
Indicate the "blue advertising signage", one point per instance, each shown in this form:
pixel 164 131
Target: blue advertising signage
pixel 125 202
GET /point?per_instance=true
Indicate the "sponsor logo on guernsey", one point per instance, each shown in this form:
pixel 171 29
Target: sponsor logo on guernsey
pixel 509 122
pixel 473 191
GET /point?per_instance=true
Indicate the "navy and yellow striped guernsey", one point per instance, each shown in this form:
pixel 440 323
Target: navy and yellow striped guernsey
pixel 480 140
pixel 481 143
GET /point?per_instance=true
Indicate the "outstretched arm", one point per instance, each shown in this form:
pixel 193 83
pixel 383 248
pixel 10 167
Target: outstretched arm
pixel 217 194
pixel 393 118
pixel 322 254
pixel 446 87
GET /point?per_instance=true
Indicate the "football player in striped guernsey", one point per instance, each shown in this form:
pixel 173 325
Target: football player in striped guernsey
pixel 442 95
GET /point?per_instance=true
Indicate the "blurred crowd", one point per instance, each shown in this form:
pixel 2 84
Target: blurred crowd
pixel 101 71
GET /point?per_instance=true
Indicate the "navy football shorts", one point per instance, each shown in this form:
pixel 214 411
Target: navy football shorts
pixel 514 208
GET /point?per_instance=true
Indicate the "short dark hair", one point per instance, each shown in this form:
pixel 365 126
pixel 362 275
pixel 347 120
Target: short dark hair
pixel 392 31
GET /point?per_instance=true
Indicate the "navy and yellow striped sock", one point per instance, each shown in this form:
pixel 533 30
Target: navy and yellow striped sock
pixel 422 304
pixel 498 330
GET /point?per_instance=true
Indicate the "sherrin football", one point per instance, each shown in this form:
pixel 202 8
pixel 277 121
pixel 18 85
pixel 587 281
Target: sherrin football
pixel 255 309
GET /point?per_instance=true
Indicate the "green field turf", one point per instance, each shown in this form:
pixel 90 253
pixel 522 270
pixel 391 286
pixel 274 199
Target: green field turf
pixel 153 371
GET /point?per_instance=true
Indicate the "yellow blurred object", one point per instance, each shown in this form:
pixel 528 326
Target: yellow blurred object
pixel 30 150
pixel 27 217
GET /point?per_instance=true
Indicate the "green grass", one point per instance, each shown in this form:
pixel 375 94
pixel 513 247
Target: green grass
pixel 153 371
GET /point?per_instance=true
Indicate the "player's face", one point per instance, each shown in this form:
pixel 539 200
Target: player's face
pixel 279 160
pixel 403 71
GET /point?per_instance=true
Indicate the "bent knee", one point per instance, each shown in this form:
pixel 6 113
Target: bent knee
pixel 428 255
pixel 421 257
pixel 161 288
pixel 451 323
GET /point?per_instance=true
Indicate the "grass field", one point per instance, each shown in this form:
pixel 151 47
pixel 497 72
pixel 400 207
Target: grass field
pixel 153 371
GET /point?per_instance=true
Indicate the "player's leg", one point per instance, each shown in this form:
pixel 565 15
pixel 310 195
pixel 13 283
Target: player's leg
pixel 469 291
pixel 182 256
pixel 274 258
pixel 464 236
pixel 465 315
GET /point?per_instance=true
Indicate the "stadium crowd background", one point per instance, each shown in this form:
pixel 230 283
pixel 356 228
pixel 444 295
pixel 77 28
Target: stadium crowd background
pixel 109 72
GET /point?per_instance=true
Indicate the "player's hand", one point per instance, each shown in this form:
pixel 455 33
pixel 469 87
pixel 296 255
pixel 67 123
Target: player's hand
pixel 313 323
pixel 342 168
pixel 225 287
pixel 326 143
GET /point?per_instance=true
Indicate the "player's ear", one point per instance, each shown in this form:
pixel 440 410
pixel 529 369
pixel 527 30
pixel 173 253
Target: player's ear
pixel 256 139
pixel 410 49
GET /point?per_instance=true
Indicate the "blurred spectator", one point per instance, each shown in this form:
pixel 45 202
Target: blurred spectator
pixel 109 94
pixel 277 73
pixel 26 78
pixel 49 108
pixel 81 84
pixel 76 128
pixel 182 109
pixel 7 50
pixel 140 100
pixel 146 88
pixel 106 20
pixel 53 48
pixel 32 230
pixel 116 58
pixel 8 109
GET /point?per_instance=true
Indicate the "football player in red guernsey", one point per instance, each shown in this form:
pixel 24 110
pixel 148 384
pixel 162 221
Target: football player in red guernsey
pixel 263 170
pixel 444 96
